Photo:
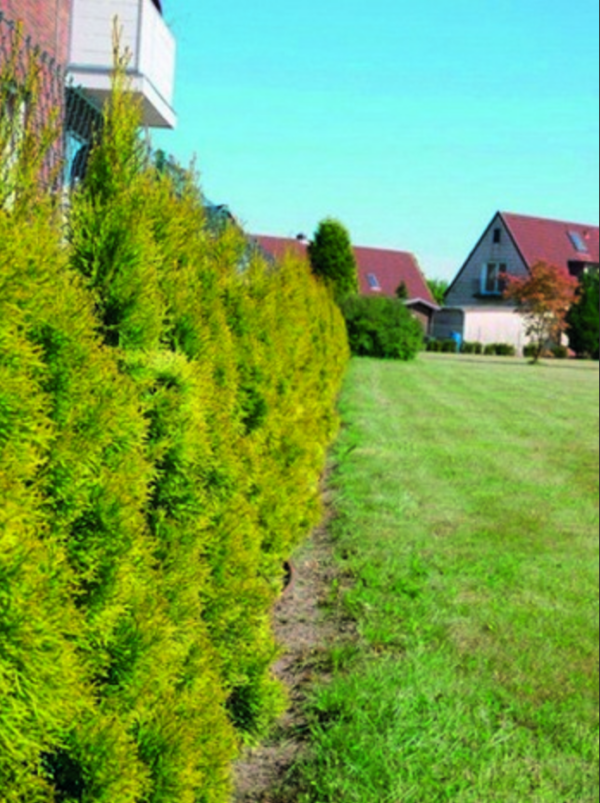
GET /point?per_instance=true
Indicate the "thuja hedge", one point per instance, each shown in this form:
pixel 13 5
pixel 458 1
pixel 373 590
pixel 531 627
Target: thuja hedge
pixel 166 400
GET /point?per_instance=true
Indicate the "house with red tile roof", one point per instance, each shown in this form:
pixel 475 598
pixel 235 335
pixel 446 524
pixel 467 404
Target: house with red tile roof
pixel 475 307
pixel 380 272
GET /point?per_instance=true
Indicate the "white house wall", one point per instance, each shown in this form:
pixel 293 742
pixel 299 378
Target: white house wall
pixel 495 326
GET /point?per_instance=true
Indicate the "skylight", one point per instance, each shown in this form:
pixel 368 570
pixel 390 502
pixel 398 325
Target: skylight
pixel 373 282
pixel 579 244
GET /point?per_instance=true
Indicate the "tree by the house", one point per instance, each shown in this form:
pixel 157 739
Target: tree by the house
pixel 543 298
pixel 332 258
pixel 402 292
pixel 438 289
pixel 584 317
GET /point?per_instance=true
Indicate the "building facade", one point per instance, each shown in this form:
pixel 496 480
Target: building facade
pixel 475 307
pixel 71 42
pixel 46 22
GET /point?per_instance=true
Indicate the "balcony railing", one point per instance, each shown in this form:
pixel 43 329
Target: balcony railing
pixel 151 45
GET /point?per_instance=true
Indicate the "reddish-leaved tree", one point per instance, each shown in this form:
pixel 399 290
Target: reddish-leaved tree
pixel 543 299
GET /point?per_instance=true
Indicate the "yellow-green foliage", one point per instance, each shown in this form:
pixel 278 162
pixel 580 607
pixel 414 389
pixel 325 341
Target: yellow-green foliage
pixel 166 401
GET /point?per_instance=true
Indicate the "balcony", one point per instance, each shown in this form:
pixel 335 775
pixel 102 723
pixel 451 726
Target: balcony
pixel 150 42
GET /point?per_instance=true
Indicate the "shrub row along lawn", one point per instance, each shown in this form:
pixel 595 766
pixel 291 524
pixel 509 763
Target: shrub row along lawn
pixel 467 492
pixel 167 397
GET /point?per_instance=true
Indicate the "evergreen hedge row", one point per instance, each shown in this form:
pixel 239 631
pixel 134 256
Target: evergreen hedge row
pixel 166 401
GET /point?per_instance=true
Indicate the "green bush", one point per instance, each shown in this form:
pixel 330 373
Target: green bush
pixel 500 350
pixel 449 346
pixel 468 347
pixel 505 350
pixel 446 346
pixel 584 317
pixel 560 352
pixel 381 327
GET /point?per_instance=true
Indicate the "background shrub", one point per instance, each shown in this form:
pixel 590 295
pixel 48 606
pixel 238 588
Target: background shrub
pixel 446 346
pixel 505 350
pixel 584 317
pixel 381 327
pixel 500 350
pixel 560 352
pixel 469 347
pixel 449 346
pixel 332 258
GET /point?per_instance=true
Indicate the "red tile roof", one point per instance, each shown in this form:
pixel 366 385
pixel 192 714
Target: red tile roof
pixel 550 241
pixel 279 247
pixel 390 268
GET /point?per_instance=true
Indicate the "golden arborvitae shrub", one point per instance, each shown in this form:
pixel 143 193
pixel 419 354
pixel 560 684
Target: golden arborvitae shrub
pixel 93 485
pixel 113 246
pixel 140 714
pixel 167 397
pixel 42 685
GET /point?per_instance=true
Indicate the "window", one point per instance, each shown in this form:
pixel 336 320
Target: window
pixel 77 151
pixel 579 244
pixel 497 236
pixel 373 282
pixel 492 279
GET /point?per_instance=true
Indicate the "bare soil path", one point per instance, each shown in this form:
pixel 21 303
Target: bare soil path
pixel 305 628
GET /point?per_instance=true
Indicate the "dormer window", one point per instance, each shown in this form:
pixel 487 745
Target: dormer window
pixel 493 279
pixel 578 242
pixel 373 282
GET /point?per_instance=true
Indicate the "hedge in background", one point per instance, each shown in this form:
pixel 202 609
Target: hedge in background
pixel 584 317
pixel 166 399
pixel 382 327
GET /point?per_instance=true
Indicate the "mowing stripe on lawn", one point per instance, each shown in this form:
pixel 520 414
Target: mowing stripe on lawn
pixel 468 517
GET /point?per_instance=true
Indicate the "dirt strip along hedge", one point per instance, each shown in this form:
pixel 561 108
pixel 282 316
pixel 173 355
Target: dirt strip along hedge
pixel 166 401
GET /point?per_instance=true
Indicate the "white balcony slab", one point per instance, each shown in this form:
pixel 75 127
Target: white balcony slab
pixel 149 41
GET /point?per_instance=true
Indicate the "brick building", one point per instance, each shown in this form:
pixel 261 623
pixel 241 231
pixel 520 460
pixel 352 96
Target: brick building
pixel 72 41
pixel 46 22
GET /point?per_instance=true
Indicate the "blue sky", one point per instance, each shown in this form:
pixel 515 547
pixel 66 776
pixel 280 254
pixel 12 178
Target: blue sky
pixel 411 122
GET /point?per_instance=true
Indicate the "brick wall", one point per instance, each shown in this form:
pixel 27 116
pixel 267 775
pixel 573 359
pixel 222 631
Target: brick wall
pixel 47 22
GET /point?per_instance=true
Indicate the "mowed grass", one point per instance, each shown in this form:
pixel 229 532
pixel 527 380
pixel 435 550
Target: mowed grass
pixel 468 498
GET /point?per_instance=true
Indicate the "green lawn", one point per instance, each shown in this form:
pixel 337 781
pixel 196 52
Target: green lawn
pixel 468 499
